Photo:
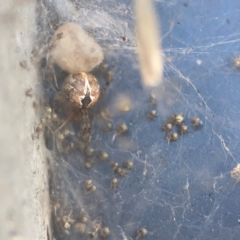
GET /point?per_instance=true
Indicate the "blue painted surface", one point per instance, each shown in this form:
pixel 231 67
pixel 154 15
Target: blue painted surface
pixel 187 192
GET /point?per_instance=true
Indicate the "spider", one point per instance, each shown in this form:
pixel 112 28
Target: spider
pixel 83 91
pixel 78 94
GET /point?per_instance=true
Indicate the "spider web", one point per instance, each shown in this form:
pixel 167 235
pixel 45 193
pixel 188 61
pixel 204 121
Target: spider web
pixel 179 190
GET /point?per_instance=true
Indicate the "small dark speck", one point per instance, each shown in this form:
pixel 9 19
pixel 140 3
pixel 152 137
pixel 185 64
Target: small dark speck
pixel 29 92
pixel 198 91
pixel 178 23
pixel 124 38
pixel 228 21
pixel 185 5
pixel 23 64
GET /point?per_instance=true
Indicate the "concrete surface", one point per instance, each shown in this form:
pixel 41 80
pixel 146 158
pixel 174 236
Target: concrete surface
pixel 23 174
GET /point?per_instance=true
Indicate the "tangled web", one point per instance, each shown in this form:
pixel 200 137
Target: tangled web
pixel 178 190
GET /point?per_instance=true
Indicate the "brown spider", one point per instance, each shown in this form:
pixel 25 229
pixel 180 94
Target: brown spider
pixel 78 94
pixel 83 91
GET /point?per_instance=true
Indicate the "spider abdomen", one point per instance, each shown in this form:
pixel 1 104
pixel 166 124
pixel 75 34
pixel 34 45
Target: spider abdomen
pixel 82 89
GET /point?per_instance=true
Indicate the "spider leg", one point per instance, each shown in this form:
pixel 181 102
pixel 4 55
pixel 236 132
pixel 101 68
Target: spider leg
pixel 63 124
pixel 86 127
pixel 50 65
pixel 108 81
pixel 109 78
pixel 54 76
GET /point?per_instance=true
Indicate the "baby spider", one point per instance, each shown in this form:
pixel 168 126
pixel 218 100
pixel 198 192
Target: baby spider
pixel 66 222
pixel 177 119
pixel 89 187
pixel 114 165
pixel 167 127
pixel 237 62
pixel 122 128
pixel 152 98
pixel 114 183
pixel 142 232
pixel 89 163
pixel 172 137
pixel 128 164
pixel 108 127
pixel 83 219
pixel 104 232
pixel 235 173
pixel 89 151
pixel 152 115
pixel 121 172
pixel 102 156
pixel 183 129
pixel 196 122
